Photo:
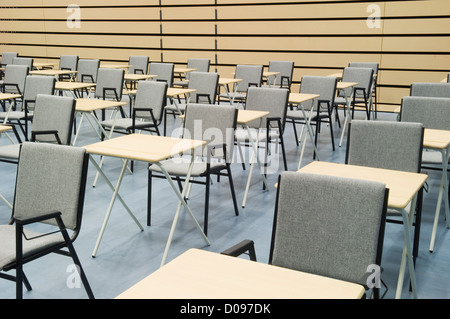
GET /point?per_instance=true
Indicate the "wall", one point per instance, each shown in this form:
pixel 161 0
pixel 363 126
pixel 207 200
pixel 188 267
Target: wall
pixel 410 39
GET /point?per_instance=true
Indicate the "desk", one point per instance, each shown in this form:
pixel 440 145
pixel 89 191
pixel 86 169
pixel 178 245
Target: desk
pixel 133 78
pixel 9 97
pixel 299 99
pixel 53 72
pixel 88 107
pixel 439 140
pixel 180 70
pixel 342 86
pixel 115 65
pixel 73 87
pixel 41 65
pixel 244 117
pixel 267 74
pixel 4 128
pixel 148 148
pixel 199 274
pixel 403 188
pixel 224 82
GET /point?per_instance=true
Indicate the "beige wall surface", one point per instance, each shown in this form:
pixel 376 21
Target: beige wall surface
pixel 409 39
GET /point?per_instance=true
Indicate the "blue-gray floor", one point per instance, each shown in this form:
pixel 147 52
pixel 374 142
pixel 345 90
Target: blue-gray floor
pixel 126 254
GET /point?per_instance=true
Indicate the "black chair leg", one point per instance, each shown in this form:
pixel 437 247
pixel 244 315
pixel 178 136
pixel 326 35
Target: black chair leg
pixel 149 198
pixel 233 193
pixel 205 226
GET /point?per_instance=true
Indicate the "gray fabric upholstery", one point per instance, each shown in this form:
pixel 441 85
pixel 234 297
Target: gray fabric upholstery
pixel 24 61
pixel 432 112
pixel 201 65
pixel 364 78
pixel 41 189
pixel 7 57
pixel 109 78
pixel 138 64
pixel 430 89
pixel 286 68
pixel 10 151
pixel 251 75
pixel 385 144
pixel 87 70
pixel 15 74
pixel 164 71
pixel 54 113
pixel 321 233
pixel 372 65
pixel 68 62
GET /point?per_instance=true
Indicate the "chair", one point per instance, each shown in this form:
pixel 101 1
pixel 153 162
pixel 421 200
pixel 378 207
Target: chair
pixel 360 94
pixel 325 86
pixel 205 85
pixel 274 100
pixel 200 65
pixel 87 70
pixel 52 123
pixel 147 111
pixel 375 67
pixel 164 72
pixel 215 124
pixel 68 62
pixel 433 113
pixel 24 61
pixel 430 89
pixel 396 146
pixel 53 194
pixel 251 75
pixel 34 85
pixel 110 86
pixel 138 64
pixel 14 81
pixel 7 58
pixel 284 79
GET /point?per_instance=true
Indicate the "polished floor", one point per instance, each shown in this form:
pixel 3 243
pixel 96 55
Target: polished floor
pixel 127 254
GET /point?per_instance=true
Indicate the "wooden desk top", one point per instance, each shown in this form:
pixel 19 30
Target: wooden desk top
pixel 183 70
pixel 143 147
pixel 402 185
pixel 225 81
pixel 4 128
pixel 439 139
pixel 89 105
pixel 172 92
pixel 270 73
pixel 44 64
pixel 52 72
pixel 345 85
pixel 138 77
pixel 297 98
pixel 198 274
pixel 9 96
pixel 60 85
pixel 246 116
pixel 114 65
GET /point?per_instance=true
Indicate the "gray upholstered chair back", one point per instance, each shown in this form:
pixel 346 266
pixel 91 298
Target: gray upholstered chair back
pixel 432 112
pixel 213 123
pixel 316 232
pixel 164 71
pixel 53 112
pixel 7 57
pixel 201 65
pixel 364 78
pixel 110 81
pixel 35 85
pixel 204 83
pixel 24 61
pixel 430 89
pixel 15 77
pixel 50 178
pixel 68 62
pixel 273 100
pixel 138 64
pixel 87 70
pixel 286 68
pixel 385 144
pixel 373 65
pixel 251 75
pixel 323 85
pixel 151 95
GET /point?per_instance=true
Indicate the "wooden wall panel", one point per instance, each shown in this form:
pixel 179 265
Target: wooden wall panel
pixel 409 39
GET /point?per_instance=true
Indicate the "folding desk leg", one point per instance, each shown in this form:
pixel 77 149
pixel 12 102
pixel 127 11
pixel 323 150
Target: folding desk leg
pixel 347 118
pixel 6 201
pixel 113 199
pixel 180 202
pixel 311 136
pixel 407 256
pixel 443 191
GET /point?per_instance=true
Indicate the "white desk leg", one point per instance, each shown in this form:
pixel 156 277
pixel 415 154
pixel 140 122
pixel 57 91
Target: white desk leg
pixel 311 135
pixel 180 202
pixel 254 155
pixel 113 199
pixel 6 201
pixel 407 252
pixel 443 191
pixel 347 118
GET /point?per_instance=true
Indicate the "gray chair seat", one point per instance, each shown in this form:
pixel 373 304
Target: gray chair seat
pixel 179 167
pixel 173 108
pixel 295 114
pixel 8 240
pixel 15 115
pixel 10 151
pixel 234 95
pixel 126 123
pixel 431 157
pixel 182 83
pixel 242 134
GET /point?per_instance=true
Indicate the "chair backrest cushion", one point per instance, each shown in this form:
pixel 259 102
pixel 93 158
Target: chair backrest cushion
pixel 164 71
pixel 200 65
pixel 204 83
pixel 15 74
pixel 363 76
pixel 251 75
pixel 432 112
pixel 286 68
pixel 273 100
pixel 319 232
pixel 430 89
pixel 138 64
pixel 385 144
pixel 87 70
pixel 35 85
pixel 50 178
pixel 68 62
pixel 151 95
pixel 325 86
pixel 7 57
pixel 112 80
